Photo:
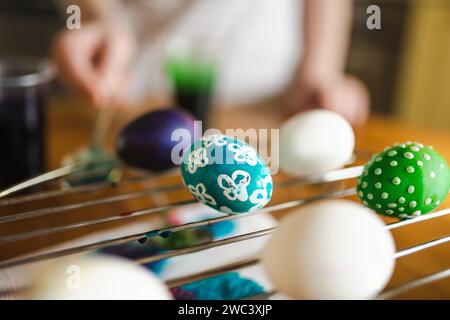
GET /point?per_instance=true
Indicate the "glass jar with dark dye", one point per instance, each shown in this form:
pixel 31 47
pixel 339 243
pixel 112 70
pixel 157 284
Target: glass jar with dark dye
pixel 23 99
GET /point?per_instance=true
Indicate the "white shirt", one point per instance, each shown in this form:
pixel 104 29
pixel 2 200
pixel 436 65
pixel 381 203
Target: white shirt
pixel 255 44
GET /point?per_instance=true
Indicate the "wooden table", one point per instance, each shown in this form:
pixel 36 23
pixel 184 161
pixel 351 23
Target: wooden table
pixel 70 126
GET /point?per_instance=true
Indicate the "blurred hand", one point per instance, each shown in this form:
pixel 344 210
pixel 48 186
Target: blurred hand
pixel 343 94
pixel 94 60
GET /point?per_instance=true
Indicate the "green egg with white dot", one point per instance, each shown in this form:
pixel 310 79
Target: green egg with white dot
pixel 405 181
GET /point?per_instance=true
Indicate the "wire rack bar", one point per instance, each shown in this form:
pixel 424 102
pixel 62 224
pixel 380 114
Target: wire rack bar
pixel 330 176
pixel 205 246
pixel 102 244
pixel 422 246
pixel 249 262
pixel 54 193
pixel 52 175
pixel 90 222
pixel 426 217
pixel 252 235
pixel 114 241
pixel 261 296
pixel 143 212
pixel 92 187
pixel 90 172
pixel 168 230
pixel 421 218
pixel 79 167
pixel 387 294
pixel 173 283
pixel 335 175
pixel 89 203
pixel 390 293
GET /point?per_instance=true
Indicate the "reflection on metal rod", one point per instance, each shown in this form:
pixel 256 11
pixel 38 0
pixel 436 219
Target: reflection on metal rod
pixel 92 187
pixel 106 243
pixel 235 266
pixel 53 193
pixel 422 246
pixel 327 177
pixel 158 232
pixel 205 246
pixel 331 176
pixel 390 293
pixel 173 283
pixel 261 296
pixel 91 222
pixel 51 175
pixel 425 217
pixel 227 268
pixel 86 204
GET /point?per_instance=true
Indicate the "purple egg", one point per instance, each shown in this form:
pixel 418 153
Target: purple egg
pixel 146 143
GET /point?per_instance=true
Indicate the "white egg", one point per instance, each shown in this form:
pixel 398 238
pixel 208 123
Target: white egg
pixel 93 277
pixel 334 249
pixel 314 142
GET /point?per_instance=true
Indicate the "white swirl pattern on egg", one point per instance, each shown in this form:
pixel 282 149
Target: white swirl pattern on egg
pixel 226 174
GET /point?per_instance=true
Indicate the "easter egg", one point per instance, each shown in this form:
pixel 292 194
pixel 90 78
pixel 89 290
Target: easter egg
pixel 315 142
pixel 333 249
pixel 95 277
pixel 147 142
pixel 405 181
pixel 226 174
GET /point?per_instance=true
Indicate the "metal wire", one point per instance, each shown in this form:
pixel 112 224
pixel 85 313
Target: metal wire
pixel 331 176
pixel 254 261
pixel 422 246
pixel 53 175
pixel 152 233
pixel 168 230
pixel 205 246
pixel 90 222
pixel 414 284
pixel 249 262
pixel 89 203
pixel 173 283
pixel 421 218
pixel 82 189
pixel 387 294
pixel 336 175
pixel 144 212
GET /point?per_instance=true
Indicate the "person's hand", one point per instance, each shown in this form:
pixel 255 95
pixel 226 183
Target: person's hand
pixel 341 93
pixel 94 60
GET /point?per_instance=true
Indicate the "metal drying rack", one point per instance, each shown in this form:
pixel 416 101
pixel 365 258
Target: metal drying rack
pixel 10 197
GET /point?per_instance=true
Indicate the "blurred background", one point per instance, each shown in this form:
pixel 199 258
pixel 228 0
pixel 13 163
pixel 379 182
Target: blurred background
pixel 405 65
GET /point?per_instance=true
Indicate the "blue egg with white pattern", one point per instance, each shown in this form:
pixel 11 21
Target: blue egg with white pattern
pixel 226 174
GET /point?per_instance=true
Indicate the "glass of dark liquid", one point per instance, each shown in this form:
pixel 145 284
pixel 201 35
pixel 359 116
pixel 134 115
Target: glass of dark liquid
pixel 193 81
pixel 23 98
